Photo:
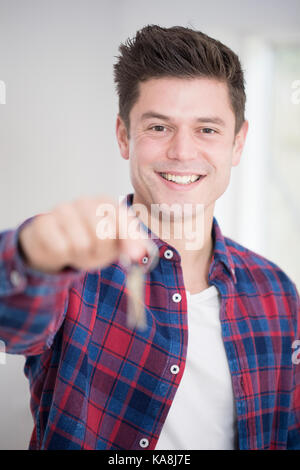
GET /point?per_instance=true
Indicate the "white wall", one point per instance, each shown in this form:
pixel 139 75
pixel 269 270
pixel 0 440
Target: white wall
pixel 57 128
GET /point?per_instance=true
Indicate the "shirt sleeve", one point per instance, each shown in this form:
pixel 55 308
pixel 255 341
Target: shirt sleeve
pixel 32 304
pixel 294 415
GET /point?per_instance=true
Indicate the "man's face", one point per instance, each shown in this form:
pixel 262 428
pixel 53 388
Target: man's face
pixel 181 127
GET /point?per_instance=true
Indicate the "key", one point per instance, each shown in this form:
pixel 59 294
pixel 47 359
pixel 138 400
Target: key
pixel 135 285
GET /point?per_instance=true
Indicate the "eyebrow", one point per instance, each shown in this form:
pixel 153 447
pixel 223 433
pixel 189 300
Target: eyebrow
pixel 203 119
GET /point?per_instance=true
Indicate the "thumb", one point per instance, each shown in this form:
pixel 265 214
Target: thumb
pixel 132 251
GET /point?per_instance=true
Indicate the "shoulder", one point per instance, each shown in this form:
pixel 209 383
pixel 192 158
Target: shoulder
pixel 265 276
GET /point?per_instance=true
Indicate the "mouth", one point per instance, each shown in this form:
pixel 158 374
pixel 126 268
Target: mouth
pixel 180 181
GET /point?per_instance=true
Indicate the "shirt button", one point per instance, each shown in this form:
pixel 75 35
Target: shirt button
pixel 145 260
pixel 174 369
pixel 15 278
pixel 168 254
pixel 144 442
pixel 176 297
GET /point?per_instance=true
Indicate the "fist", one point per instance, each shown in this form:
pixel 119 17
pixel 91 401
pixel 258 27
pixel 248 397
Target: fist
pixel 68 236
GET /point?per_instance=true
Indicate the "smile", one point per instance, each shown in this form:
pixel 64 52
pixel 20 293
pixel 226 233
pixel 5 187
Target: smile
pixel 181 179
pixel 186 179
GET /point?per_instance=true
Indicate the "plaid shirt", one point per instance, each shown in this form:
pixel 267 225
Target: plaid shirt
pixel 95 384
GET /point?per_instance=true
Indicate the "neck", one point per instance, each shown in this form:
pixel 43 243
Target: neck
pixel 193 255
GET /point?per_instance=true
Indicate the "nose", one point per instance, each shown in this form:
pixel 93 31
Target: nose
pixel 182 146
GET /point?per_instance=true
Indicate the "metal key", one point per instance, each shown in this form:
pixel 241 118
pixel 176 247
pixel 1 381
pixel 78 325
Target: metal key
pixel 135 285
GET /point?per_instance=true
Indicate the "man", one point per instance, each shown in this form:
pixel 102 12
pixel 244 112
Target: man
pixel 213 368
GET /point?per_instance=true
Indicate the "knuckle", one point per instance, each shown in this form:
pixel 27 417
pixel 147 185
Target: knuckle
pixel 81 246
pixel 61 250
pixel 62 208
pixel 82 202
pixel 39 227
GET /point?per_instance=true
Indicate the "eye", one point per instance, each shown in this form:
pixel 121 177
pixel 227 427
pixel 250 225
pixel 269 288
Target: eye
pixel 158 128
pixel 207 130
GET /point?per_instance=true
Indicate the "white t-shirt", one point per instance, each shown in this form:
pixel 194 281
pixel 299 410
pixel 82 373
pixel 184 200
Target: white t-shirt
pixel 202 415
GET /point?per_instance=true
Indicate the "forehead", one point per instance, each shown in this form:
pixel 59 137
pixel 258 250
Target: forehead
pixel 182 96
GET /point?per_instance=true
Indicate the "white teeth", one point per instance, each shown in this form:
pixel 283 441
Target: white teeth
pixel 180 179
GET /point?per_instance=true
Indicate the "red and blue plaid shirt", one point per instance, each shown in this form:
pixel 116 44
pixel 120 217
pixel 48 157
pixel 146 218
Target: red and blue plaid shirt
pixel 95 384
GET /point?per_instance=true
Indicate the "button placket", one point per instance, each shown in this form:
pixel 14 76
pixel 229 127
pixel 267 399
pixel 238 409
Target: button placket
pixel 168 254
pixel 144 442
pixel 15 278
pixel 176 297
pixel 174 369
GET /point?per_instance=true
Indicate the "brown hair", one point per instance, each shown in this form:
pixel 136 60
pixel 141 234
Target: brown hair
pixel 176 52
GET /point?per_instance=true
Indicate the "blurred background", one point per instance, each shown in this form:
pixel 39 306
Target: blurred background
pixel 57 125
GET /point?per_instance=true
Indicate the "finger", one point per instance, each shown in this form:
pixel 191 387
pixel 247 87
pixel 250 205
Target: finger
pixel 50 244
pixel 74 229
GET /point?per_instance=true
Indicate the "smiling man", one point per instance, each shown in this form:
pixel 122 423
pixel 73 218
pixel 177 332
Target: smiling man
pixel 183 127
pixel 215 367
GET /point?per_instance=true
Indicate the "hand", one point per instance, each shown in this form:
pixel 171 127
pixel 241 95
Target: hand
pixel 67 236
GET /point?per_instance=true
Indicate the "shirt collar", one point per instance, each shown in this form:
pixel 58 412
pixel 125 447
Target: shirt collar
pixel 221 251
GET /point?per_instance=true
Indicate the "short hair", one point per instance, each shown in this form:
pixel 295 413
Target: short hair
pixel 180 52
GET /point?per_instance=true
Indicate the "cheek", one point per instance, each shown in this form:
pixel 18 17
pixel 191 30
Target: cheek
pixel 145 151
pixel 223 172
pixel 221 162
pixel 221 154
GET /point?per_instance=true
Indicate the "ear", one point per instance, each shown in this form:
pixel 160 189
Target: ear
pixel 122 138
pixel 239 143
